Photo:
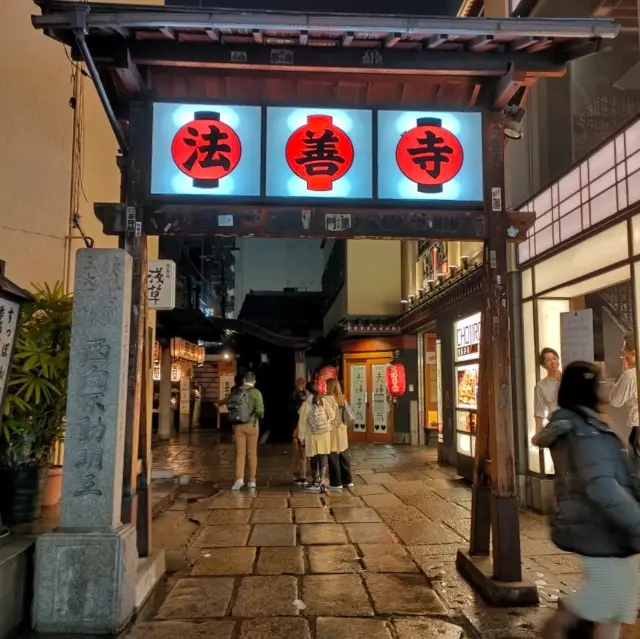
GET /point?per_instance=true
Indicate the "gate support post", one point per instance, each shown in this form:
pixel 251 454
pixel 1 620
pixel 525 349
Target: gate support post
pixel 498 579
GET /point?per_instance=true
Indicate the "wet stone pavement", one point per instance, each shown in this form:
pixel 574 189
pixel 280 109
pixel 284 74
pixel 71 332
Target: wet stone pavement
pixel 376 561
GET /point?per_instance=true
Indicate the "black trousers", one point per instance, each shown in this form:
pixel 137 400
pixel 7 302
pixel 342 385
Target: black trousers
pixel 339 469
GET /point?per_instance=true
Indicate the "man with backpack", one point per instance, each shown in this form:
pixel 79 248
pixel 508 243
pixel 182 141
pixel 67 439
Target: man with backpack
pixel 246 409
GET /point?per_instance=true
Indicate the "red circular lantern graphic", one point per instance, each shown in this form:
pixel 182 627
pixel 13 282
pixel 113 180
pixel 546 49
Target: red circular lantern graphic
pixel 396 379
pixel 429 155
pixel 326 373
pixel 206 149
pixel 319 153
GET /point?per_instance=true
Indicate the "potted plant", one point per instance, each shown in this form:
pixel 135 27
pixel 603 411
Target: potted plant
pixel 34 406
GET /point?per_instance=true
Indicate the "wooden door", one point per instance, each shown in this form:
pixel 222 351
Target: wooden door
pixel 366 392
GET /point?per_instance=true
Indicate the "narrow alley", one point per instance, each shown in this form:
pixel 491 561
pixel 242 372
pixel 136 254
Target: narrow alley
pixel 376 561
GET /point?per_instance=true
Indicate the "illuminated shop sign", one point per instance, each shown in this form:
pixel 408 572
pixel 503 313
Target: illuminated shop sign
pixel 206 150
pixel 467 338
pixel 278 154
pixel 319 153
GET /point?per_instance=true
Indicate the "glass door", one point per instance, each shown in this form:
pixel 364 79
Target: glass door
pixel 366 392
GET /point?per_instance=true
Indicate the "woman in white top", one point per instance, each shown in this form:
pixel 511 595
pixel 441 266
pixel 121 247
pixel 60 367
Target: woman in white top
pixel 625 391
pixel 546 390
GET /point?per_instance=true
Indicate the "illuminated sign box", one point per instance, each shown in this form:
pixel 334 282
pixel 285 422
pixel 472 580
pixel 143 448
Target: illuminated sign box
pixel 270 155
pixel 430 155
pixel 207 150
pixel 319 153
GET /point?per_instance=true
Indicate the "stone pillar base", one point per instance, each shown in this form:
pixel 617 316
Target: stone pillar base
pixel 85 582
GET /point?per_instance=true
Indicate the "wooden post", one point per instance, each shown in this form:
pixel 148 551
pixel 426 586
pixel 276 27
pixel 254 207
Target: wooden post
pixel 504 502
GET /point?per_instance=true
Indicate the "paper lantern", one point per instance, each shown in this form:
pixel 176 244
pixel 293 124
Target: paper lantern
pixel 328 372
pixel 396 379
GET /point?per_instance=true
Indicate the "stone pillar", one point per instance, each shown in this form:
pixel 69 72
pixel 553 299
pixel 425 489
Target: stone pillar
pixel 408 257
pixel 185 402
pixel 85 572
pixel 497 8
pixel 165 425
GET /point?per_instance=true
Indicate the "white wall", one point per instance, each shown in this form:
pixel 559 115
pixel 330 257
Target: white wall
pixel 264 264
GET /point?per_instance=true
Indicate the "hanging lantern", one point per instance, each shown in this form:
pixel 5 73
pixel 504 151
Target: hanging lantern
pixel 328 372
pixel 396 379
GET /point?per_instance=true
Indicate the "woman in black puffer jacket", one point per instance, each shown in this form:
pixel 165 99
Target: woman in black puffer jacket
pixel 597 514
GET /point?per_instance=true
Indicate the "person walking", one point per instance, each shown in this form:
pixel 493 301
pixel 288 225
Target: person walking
pixel 314 431
pixel 246 409
pixel 339 462
pixel 597 514
pixel 297 399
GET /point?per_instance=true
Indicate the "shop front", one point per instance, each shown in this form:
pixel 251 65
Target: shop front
pixel 580 297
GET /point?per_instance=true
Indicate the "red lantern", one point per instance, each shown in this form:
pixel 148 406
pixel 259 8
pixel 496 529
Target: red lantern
pixel 206 149
pixel 326 373
pixel 429 155
pixel 396 379
pixel 319 153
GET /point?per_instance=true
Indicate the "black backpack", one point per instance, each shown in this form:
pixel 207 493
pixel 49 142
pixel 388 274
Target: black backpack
pixel 240 406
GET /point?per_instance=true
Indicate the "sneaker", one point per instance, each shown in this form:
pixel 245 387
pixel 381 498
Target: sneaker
pixel 300 481
pixel 313 488
pixel 238 485
pixel 335 487
pixel 348 485
pixel 251 484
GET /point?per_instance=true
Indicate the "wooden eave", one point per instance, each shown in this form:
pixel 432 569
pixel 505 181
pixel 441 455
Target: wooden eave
pixel 160 52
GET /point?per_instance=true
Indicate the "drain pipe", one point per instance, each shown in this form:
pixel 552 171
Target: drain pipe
pixel 80 27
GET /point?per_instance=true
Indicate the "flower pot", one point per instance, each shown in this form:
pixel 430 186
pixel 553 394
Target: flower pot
pixel 21 494
pixel 52 487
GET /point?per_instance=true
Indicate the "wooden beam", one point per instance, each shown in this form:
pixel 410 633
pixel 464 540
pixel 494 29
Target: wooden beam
pixel 347 39
pixel 129 76
pixel 500 94
pixel 392 40
pixel 304 38
pixel 257 36
pixel 214 34
pixel 170 34
pixel 479 43
pixel 522 43
pixel 434 41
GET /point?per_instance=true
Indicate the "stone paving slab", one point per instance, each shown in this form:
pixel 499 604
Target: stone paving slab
pixel 335 596
pixel 334 559
pixel 281 561
pixel 305 501
pixel 369 534
pixel 427 629
pixel 198 598
pixel 183 630
pixel 380 478
pixel 387 559
pixel 273 535
pixel 270 502
pixel 328 534
pixel 383 501
pixel 403 515
pixel 224 561
pixel 266 597
pixel 369 489
pixel 274 628
pixel 355 515
pixel 228 517
pixel 344 500
pixel 403 595
pixel 312 515
pixel 340 628
pixel 228 503
pixel 222 536
pixel 421 533
pixel 272 516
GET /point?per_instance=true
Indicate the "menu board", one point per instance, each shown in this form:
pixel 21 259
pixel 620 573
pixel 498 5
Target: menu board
pixel 467 386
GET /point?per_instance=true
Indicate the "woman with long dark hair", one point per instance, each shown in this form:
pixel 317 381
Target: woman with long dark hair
pixel 597 514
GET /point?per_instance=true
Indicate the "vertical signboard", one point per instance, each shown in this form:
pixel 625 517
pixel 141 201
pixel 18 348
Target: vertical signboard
pixel 576 337
pixel 9 312
pixel 161 285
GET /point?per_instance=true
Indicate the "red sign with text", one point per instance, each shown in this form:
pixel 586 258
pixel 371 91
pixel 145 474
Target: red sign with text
pixel 206 149
pixel 429 155
pixel 319 153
